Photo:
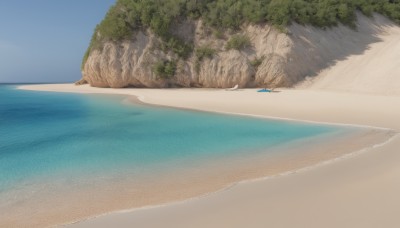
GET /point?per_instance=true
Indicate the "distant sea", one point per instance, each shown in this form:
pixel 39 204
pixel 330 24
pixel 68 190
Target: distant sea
pixel 49 141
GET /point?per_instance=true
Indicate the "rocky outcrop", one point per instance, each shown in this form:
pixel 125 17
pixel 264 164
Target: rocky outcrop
pixel 81 82
pixel 273 59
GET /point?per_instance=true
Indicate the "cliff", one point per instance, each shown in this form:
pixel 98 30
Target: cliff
pixel 272 58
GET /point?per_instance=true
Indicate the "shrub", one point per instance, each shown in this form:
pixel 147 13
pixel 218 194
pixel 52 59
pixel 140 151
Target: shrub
pixel 238 42
pixel 165 69
pixel 204 52
pixel 179 47
pixel 218 33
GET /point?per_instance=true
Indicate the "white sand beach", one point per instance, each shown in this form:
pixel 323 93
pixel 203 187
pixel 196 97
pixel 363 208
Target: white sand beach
pixel 361 190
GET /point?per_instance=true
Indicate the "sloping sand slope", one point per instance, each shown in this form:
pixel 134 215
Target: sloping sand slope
pixel 376 70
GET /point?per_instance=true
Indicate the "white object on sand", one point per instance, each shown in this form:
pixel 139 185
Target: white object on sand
pixel 236 87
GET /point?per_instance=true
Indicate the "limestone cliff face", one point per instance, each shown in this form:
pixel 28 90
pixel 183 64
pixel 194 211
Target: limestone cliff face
pixel 284 58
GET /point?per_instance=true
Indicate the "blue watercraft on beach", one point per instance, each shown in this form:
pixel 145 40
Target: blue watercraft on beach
pixel 264 90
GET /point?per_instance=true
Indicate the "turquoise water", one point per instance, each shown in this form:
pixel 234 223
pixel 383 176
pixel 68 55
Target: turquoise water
pixel 47 135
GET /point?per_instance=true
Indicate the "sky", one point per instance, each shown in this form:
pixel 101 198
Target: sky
pixel 45 40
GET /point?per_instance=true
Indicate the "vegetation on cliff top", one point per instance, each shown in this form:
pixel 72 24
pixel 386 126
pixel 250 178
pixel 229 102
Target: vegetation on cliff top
pixel 127 16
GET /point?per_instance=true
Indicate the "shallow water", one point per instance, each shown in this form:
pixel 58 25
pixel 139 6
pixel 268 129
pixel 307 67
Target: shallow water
pixel 52 140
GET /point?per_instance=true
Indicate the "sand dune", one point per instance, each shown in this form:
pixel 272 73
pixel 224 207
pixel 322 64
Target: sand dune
pixel 375 71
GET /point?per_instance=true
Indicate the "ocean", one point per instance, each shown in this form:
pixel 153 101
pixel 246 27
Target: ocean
pixel 50 142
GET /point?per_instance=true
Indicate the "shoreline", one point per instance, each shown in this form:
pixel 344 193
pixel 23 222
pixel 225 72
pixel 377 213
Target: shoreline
pixel 138 100
pixel 259 179
pixel 141 100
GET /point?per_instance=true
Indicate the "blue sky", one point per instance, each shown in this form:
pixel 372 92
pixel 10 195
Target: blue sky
pixel 44 40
